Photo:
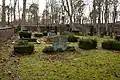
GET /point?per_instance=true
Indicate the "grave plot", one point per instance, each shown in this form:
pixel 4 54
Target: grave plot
pixel 59 44
pixel 75 64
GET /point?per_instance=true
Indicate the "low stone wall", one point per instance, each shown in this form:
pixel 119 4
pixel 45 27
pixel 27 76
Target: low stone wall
pixel 81 27
pixel 6 33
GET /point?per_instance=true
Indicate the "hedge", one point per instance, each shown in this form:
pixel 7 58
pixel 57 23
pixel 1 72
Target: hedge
pixel 49 49
pixel 117 37
pixel 38 35
pixel 30 39
pixel 22 42
pixel 23 47
pixel 111 45
pixel 87 44
pixel 45 33
pixel 72 38
pixel 25 34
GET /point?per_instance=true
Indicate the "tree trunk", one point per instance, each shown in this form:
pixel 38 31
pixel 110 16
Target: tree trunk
pixel 102 17
pixel 70 12
pixel 11 14
pixel 115 13
pixel 15 3
pixel 71 15
pixel 106 15
pixel 3 13
pixel 24 12
pixel 19 11
pixel 8 16
pixel 80 20
pixel 99 18
pixel 94 12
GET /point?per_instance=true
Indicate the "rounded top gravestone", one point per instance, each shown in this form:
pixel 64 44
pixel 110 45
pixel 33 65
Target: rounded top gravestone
pixel 60 42
pixel 51 34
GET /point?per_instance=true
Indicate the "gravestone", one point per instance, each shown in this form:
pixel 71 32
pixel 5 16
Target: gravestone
pixel 60 42
pixel 66 33
pixel 51 34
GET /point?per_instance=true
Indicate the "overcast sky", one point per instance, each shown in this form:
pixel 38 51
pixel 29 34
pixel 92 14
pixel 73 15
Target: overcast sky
pixel 41 3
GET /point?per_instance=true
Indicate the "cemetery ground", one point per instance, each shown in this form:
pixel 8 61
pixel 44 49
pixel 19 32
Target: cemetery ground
pixel 96 64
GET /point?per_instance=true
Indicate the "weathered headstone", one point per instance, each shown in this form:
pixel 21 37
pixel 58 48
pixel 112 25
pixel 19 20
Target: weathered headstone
pixel 66 33
pixel 51 34
pixel 60 42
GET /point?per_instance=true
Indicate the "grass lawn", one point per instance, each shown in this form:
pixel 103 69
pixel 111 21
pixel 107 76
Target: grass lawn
pixel 79 65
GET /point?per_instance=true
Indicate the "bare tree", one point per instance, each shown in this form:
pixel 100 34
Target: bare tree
pixel 68 7
pixel 33 9
pixel 8 14
pixel 115 5
pixel 106 14
pixel 79 8
pixel 3 13
pixel 14 11
pixel 24 12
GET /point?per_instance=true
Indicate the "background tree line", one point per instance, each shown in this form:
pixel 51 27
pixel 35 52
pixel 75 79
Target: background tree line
pixel 62 12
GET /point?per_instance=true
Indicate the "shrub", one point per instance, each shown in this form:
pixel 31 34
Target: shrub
pixel 22 42
pixel 87 44
pixel 111 45
pixel 30 40
pixel 72 38
pixel 25 30
pixel 79 34
pixel 49 49
pixel 107 45
pixel 17 29
pixel 38 35
pixel 75 32
pixel 23 47
pixel 69 48
pixel 59 50
pixel 25 34
pixel 66 33
pixel 117 37
pixel 116 45
pixel 45 33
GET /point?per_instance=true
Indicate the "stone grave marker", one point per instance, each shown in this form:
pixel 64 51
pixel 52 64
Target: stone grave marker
pixel 60 42
pixel 66 33
pixel 52 33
